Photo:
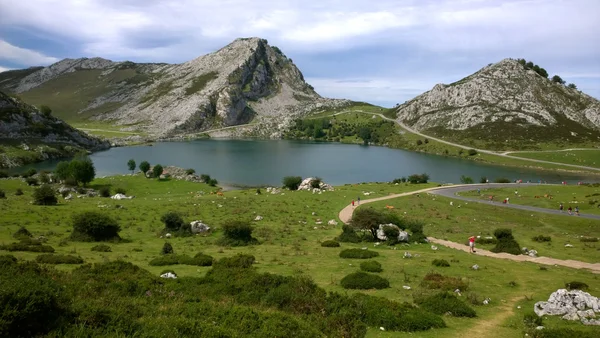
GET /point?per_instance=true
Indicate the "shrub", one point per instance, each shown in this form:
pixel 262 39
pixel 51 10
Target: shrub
pixel 330 244
pixel 574 285
pixel 487 241
pixel 7 260
pixel 190 171
pixel 238 261
pixel 391 233
pixel 472 152
pixel 418 178
pixel 502 180
pixel 205 178
pixel 172 221
pixel 4 174
pixel 531 319
pixel 31 181
pixel 419 142
pixel 18 192
pixel 22 233
pixel 144 167
pixel 104 192
pixel 45 195
pixel 348 235
pixel 466 179
pixel 157 170
pixel 364 281
pixel 237 233
pixel 483 179
pixel 101 248
pixel 434 280
pixel 371 266
pixel 541 238
pixel 199 259
pixel 506 242
pixel 167 249
pixel 167 259
pixel 589 239
pixel 2 194
pixel 44 178
pixel 445 302
pixel 316 183
pixel 440 263
pixel 58 259
pixel 92 226
pixel 213 182
pixel 292 182
pixel 28 245
pixel 29 172
pixel 358 253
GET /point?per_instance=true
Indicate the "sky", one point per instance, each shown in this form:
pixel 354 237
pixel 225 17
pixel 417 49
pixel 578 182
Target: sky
pixel 383 52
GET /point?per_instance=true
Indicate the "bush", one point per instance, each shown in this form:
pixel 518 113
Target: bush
pixel 92 226
pixel 45 195
pixel 22 233
pixel 487 241
pixel 348 235
pixel 27 245
pixel 213 182
pixel 238 261
pixel 364 281
pixel 472 152
pixel 167 249
pixel 532 320
pixel 101 248
pixel 506 242
pixel 144 167
pixel 292 182
pixel 576 286
pixel 7 260
pixel 502 180
pixel 18 192
pixel 589 239
pixel 237 233
pixel 440 263
pixel 104 192
pixel 44 178
pixel 419 142
pixel 445 302
pixel 358 253
pixel 483 179
pixel 58 259
pixel 31 181
pixel 466 179
pixel 391 233
pixel 172 221
pixel 2 194
pixel 434 280
pixel 371 266
pixel 29 172
pixel 316 183
pixel 199 259
pixel 4 174
pixel 157 170
pixel 190 171
pixel 541 238
pixel 416 178
pixel 330 244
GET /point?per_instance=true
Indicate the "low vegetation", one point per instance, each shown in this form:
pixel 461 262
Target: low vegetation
pixel 445 302
pixel 199 259
pixel 101 248
pixel 440 263
pixel 363 280
pixel 45 195
pixel 330 244
pixel 27 245
pixel 506 242
pixel 237 233
pixel 434 280
pixel 58 259
pixel 575 285
pixel 371 266
pixel 358 253
pixel 92 226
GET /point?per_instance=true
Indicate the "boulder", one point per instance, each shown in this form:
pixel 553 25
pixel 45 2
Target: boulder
pixel 306 185
pixel 121 197
pixel 258 218
pixel 168 235
pixel 403 236
pixel 332 222
pixel 198 227
pixel 168 275
pixel 475 267
pixel 69 197
pixel 571 305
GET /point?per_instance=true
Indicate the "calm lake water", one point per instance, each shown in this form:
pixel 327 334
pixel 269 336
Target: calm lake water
pixel 262 162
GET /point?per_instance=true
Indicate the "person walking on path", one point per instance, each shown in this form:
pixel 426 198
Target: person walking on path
pixel 472 244
pixel 352 202
pixel 577 210
pixel 358 200
pixel 570 211
pixel 561 207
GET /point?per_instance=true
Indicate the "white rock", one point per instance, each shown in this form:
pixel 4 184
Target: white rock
pixel 406 287
pixel 258 218
pixel 571 305
pixel 434 248
pixel 475 267
pixel 168 275
pixel 407 255
pixel 168 235
pixel 568 245
pixel 332 222
pixel 198 227
pixel 121 197
pixel 539 327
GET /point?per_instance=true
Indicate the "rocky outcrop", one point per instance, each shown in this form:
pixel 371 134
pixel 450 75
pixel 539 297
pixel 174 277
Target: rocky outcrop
pixel 243 81
pixel 571 305
pixel 504 100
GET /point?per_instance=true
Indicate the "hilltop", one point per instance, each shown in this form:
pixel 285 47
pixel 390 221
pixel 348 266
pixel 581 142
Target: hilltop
pixel 247 80
pixel 504 106
pixel 29 135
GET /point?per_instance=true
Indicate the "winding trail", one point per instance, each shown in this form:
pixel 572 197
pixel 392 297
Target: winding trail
pixel 449 191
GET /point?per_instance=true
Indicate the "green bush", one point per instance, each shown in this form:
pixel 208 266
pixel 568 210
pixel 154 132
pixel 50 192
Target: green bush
pixel 391 233
pixel 434 280
pixel 358 253
pixel 104 192
pixel 292 182
pixel 418 178
pixel 22 233
pixel 445 302
pixel 120 190
pixel 364 281
pixel 502 180
pixel 27 245
pixel 144 167
pixel 58 259
pixel 4 174
pixel 541 238
pixel 29 172
pixel 348 235
pixel 190 171
pixel 167 249
pixel 440 263
pixel 371 266
pixel 466 179
pixel 506 242
pixel 199 259
pixel 157 170
pixel 237 233
pixel 172 221
pixel 18 192
pixel 316 183
pixel 213 182
pixel 589 239
pixel 205 178
pixel 575 285
pixel 93 226
pixel 44 195
pixel 101 248
pixel 238 261
pixel 44 178
pixel 166 259
pixel 472 152
pixel 487 241
pixel 31 181
pixel 532 320
pixel 330 244
pixel 7 261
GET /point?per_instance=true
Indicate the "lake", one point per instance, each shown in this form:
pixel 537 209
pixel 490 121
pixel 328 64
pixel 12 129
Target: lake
pixel 266 162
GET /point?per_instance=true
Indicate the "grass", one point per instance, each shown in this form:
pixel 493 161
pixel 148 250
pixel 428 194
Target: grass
pixel 589 158
pixel 587 198
pixel 290 241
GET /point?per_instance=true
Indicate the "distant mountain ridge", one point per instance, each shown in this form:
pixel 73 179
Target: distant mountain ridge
pixel 247 80
pixel 505 105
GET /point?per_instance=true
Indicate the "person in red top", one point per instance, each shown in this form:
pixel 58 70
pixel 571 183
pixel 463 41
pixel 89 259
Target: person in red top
pixel 472 244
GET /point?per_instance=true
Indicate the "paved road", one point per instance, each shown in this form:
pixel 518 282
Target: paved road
pixel 452 191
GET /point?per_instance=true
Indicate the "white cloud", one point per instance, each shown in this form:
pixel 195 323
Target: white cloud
pixel 23 56
pixel 3 69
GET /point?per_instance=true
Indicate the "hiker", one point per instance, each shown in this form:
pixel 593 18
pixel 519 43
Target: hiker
pixel 561 207
pixel 577 210
pixel 352 202
pixel 507 200
pixel 491 198
pixel 472 244
pixel 570 211
pixel 478 192
pixel 358 200
pixel 516 192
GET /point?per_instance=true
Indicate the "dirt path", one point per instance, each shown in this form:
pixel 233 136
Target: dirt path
pixel 346 214
pixel 485 327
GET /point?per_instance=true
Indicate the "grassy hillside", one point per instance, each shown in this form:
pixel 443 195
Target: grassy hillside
pixel 590 158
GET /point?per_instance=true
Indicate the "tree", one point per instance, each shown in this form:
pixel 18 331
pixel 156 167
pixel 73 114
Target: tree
pixel 47 111
pixel 93 226
pixel 45 195
pixel 472 152
pixel 365 134
pixel 157 171
pixel 572 86
pixel 558 79
pixel 237 233
pixel 172 221
pixel 82 170
pixel 292 182
pixel 368 219
pixel 529 65
pixel 131 165
pixel 144 167
pixel 62 170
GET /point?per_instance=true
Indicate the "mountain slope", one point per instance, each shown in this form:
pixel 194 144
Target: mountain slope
pixel 244 81
pixel 505 106
pixel 27 135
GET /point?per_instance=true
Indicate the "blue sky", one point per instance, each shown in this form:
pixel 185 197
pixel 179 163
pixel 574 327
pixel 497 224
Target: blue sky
pixel 384 52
